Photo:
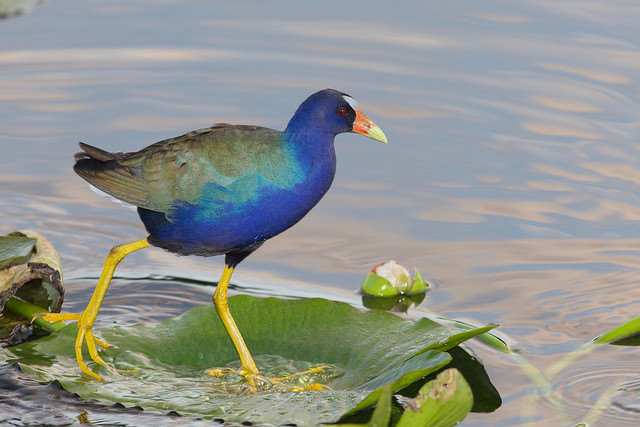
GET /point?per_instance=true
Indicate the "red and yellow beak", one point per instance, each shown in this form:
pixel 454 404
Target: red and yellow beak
pixel 365 126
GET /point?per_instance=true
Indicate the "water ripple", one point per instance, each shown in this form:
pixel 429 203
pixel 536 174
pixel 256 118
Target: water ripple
pixel 615 388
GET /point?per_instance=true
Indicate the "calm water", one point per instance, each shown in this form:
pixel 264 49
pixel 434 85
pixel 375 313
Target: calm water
pixel 510 179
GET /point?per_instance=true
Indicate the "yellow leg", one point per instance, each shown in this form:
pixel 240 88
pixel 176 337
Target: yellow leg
pixel 88 316
pixel 248 369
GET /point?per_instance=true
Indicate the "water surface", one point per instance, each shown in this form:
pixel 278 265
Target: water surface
pixel 510 178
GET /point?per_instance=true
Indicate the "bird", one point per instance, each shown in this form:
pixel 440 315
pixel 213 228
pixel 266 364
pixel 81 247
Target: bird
pixel 221 190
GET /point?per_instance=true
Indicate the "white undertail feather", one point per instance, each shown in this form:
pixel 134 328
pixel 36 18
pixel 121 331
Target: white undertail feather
pixel 113 199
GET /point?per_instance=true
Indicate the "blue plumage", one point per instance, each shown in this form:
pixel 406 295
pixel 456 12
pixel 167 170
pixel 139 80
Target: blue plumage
pixel 226 189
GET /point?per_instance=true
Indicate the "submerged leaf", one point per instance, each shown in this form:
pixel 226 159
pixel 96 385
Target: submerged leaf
pixel 366 349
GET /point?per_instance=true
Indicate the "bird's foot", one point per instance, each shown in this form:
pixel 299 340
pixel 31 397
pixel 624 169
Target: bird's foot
pixel 256 382
pixel 312 386
pixel 84 335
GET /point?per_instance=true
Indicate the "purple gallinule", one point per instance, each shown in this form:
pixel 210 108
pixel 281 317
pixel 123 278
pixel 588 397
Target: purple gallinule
pixel 221 190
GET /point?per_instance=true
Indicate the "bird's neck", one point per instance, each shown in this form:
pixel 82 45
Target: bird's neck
pixel 314 151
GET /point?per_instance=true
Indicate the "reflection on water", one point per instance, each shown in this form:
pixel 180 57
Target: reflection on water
pixel 510 178
pixel 36 405
pixel 620 384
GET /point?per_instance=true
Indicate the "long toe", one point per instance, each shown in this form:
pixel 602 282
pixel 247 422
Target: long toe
pixel 315 370
pixel 78 349
pixel 93 349
pixel 256 382
pixel 311 387
pixel 85 335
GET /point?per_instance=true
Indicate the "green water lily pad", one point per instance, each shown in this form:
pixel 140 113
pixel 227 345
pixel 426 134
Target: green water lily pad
pixel 365 349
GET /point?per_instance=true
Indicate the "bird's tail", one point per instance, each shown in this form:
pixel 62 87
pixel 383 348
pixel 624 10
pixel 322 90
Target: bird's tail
pixel 91 152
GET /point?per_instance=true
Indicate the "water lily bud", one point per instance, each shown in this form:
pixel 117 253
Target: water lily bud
pixel 397 275
pixel 391 279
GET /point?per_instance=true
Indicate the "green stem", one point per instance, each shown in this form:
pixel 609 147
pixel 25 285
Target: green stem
pixel 28 311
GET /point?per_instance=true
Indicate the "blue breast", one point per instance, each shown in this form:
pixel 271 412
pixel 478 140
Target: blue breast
pixel 250 210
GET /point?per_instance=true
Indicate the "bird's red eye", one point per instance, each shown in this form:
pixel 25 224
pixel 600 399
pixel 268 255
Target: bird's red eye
pixel 342 111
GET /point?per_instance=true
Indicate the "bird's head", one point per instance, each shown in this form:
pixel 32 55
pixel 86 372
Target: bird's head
pixel 336 112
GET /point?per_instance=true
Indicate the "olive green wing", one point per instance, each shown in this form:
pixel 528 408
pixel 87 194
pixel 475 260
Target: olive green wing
pixel 178 168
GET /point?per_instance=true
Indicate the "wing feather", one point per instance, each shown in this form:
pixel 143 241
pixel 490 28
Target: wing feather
pixel 179 168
